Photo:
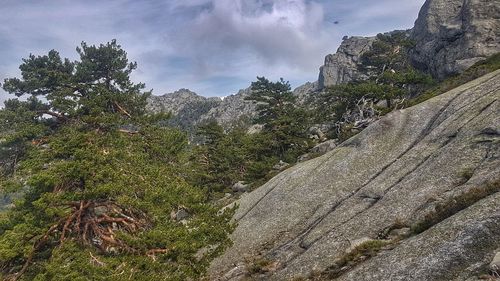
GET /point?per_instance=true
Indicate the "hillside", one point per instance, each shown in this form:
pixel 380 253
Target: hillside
pixel 417 191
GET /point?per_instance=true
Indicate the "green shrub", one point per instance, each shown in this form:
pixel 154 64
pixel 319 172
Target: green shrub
pixel 360 253
pixel 477 70
pixel 454 205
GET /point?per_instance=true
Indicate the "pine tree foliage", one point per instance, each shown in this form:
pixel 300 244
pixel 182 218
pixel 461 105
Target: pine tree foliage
pixel 391 78
pixel 100 180
pixel 285 124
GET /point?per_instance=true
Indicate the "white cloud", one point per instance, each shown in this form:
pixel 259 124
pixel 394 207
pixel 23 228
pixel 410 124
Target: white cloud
pixel 213 47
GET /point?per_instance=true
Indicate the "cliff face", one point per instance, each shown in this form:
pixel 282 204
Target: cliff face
pixel 342 67
pixel 452 35
pixel 449 35
pixel 407 169
pixel 189 109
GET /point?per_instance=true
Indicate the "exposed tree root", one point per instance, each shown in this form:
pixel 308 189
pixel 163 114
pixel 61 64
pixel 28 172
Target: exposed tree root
pixel 94 223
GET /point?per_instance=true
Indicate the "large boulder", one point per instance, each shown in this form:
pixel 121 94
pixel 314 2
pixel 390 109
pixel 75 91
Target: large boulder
pixel 452 35
pixel 394 174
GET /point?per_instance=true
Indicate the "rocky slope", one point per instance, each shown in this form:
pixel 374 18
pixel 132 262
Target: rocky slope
pixel 189 109
pixel 410 168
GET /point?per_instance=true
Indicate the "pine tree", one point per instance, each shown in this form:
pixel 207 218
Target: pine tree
pixel 99 179
pixel 285 124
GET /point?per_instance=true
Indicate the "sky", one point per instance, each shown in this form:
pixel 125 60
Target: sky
pixel 212 47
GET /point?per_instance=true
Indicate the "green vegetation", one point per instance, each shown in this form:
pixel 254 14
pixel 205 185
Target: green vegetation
pixel 101 181
pixel 227 157
pixel 477 70
pixel 97 182
pixel 354 256
pixel 448 208
pixel 391 79
pixel 285 124
pixel 259 266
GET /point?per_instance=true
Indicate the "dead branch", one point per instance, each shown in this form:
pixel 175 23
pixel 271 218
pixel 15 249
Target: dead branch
pixel 122 110
pixel 59 116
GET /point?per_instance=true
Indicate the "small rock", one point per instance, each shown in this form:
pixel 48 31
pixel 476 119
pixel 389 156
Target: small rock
pixel 281 165
pixel 316 133
pixel 304 157
pixel 100 210
pixel 239 187
pixel 254 129
pixel 179 215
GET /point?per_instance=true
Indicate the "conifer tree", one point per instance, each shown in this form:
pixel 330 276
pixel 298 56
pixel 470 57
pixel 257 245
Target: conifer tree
pixel 284 123
pixel 99 186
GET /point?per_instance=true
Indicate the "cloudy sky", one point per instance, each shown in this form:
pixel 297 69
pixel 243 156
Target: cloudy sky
pixel 213 47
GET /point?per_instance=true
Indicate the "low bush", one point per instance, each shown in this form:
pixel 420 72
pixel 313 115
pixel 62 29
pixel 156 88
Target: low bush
pixel 456 204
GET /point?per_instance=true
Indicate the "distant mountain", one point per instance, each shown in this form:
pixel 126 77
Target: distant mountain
pixel 190 109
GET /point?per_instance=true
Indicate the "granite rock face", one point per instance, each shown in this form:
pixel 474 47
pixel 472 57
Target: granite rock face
pixel 452 35
pixel 176 102
pixel 395 172
pixel 232 109
pixel 342 66
pixel 189 109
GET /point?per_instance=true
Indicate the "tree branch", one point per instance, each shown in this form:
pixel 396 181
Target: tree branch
pixel 53 114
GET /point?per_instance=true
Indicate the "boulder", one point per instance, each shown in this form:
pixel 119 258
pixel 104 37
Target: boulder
pixel 179 215
pixel 239 187
pixel 324 147
pixel 281 165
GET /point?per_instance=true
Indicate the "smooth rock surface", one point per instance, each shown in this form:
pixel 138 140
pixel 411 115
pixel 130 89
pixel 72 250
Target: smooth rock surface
pixel 392 173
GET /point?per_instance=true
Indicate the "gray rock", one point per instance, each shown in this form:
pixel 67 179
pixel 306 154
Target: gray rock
pixel 495 264
pixel 232 109
pixel 304 91
pixel 255 129
pixel 304 157
pixel 190 109
pixel 324 147
pixel 316 133
pixel 101 210
pixel 175 102
pixel 240 187
pixel 396 170
pixel 179 215
pixel 342 66
pixel 452 35
pixel 281 165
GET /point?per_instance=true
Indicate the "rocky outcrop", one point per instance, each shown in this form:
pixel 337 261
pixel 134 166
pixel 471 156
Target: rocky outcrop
pixel 449 35
pixel 409 167
pixel 189 109
pixel 232 109
pixel 177 101
pixel 452 35
pixel 342 67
